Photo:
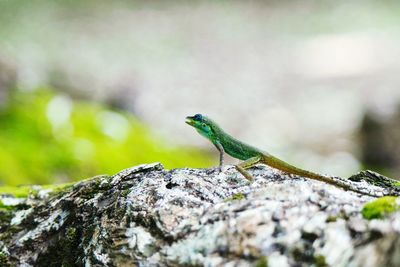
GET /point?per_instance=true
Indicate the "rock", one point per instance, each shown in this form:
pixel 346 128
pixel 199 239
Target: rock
pixel 149 216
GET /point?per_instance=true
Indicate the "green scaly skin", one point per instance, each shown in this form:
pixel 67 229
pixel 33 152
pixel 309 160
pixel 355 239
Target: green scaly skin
pixel 251 155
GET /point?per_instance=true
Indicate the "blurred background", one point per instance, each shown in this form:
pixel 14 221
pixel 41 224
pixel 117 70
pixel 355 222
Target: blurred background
pixel 89 87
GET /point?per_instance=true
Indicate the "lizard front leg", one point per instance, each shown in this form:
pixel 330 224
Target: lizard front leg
pixel 221 155
pixel 241 167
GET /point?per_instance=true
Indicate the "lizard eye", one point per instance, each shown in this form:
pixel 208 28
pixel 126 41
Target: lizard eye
pixel 204 125
pixel 198 117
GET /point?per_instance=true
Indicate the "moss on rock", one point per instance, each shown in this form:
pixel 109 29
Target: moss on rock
pixel 238 196
pixel 320 261
pixel 4 260
pixel 380 207
pixel 262 262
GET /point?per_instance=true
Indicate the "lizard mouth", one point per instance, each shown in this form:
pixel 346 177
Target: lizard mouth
pixel 190 121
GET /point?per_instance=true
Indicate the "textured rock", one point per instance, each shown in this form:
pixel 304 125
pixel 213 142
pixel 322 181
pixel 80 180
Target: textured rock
pixel 148 216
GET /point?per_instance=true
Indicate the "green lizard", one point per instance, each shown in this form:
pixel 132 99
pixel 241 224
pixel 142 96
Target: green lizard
pixel 251 155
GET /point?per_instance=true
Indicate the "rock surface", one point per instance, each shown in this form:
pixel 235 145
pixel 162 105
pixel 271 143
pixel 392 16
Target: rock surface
pixel 149 216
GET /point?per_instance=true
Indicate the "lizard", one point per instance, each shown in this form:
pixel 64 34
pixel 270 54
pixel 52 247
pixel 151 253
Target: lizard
pixel 252 156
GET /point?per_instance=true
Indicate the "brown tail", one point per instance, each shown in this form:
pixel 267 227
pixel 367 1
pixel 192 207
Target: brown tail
pixel 288 168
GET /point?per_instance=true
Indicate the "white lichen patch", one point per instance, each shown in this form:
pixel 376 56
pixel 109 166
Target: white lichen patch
pixel 95 248
pixel 338 248
pixel 195 248
pixel 100 255
pixel 4 249
pixel 19 216
pixel 44 193
pixel 54 222
pixel 11 201
pixel 140 240
pixel 277 260
pixel 93 201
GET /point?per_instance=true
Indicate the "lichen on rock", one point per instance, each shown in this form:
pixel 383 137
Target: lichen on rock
pixel 149 216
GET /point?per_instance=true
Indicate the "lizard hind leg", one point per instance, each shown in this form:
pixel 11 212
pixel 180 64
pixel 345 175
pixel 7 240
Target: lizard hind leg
pixel 241 167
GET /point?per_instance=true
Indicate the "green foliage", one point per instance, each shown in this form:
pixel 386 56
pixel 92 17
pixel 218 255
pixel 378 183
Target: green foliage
pixel 380 207
pixel 27 190
pixel 16 191
pixel 48 138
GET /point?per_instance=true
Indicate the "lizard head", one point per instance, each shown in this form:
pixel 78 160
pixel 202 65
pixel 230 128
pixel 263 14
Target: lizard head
pixel 202 124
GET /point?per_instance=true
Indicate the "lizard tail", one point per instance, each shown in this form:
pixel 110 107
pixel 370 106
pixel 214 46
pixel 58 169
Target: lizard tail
pixel 336 181
pixel 288 168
